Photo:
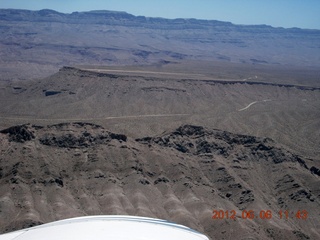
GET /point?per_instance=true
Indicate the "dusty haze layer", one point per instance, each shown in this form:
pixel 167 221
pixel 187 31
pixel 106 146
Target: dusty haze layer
pixel 38 43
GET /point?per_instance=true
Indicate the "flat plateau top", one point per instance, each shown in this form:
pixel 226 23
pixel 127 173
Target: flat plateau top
pixel 107 227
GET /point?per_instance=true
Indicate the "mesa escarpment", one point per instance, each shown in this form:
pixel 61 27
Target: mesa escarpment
pixel 46 40
pixel 74 169
pixel 143 105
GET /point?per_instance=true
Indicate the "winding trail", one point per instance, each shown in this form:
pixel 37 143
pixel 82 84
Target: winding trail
pixel 250 104
pixel 242 109
pixel 92 119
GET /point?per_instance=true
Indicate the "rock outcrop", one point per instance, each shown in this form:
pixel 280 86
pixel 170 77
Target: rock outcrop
pixel 75 169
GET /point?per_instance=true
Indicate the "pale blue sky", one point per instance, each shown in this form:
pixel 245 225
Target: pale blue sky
pixel 278 13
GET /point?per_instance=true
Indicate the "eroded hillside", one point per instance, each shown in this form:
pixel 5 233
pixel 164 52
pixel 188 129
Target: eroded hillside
pixel 74 169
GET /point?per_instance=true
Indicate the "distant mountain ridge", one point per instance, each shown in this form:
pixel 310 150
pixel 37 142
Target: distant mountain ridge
pixel 105 16
pixel 41 42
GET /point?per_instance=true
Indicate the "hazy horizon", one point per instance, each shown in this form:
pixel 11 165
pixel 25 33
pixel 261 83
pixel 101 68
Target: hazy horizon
pixel 285 13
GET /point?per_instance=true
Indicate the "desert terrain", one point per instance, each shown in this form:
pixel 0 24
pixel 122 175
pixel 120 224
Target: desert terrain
pixel 171 119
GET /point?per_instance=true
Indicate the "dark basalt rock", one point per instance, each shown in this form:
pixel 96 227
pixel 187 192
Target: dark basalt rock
pixel 301 235
pixel 160 180
pixel 73 141
pixel 246 197
pixel 51 93
pixel 85 135
pixel 206 147
pixel 144 182
pixel 61 126
pixel 65 141
pixel 189 130
pixel 80 139
pixel 19 133
pixel 197 140
pixel 315 170
pixel 120 137
pixel 301 195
